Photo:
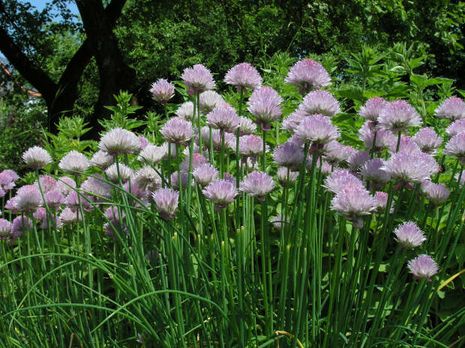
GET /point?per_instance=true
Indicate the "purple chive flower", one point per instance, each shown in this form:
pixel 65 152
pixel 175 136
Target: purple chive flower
pixel 381 199
pixel 335 153
pixel 112 214
pixel 74 162
pixel 65 185
pixel 53 199
pixel 452 108
pixel 229 138
pixel 409 235
pixel 177 131
pixel 118 172
pixel 257 184
pixel 286 176
pixel 198 79
pixel 96 185
pixel 250 145
pixel 162 91
pixel 186 111
pixel 456 147
pixel 119 141
pixel 264 104
pixel 8 179
pixel 28 198
pixel 436 193
pixel 77 200
pixel 205 174
pixel 68 216
pixel 411 167
pixel 354 201
pixel 372 108
pixel 143 142
pixel 101 159
pixel 423 267
pixel 384 138
pixel 11 205
pixel 197 160
pixel 147 178
pixel 406 144
pixel 209 100
pixel 223 117
pixel 292 121
pixel 320 102
pixel 398 115
pixel 289 155
pixel 372 171
pixel 340 179
pixel 153 154
pixel 166 202
pixel 220 192
pixel 36 158
pixel 246 126
pixel 307 75
pixel 456 127
pixel 317 129
pixel 175 182
pixel 5 229
pixel 243 76
pixel 20 225
pixel 427 140
pixel 277 222
pixel 358 159
pixel 46 183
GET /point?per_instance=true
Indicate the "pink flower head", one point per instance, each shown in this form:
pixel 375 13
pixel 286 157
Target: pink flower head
pixel 11 205
pixel 384 138
pixel 292 121
pixel 119 141
pixel 372 171
pixel 320 102
pixel 423 267
pixel 335 153
pixel 198 79
pixel 427 140
pixel 205 174
pixel 68 216
pixel 317 129
pixel 223 117
pixel 153 154
pixel 177 131
pixel 250 145
pixel 246 126
pixel 162 91
pixel 398 115
pixel 415 166
pixel 358 159
pixel 115 173
pixel 143 142
pixel 406 144
pixel 97 186
pixel 289 155
pixel 381 199
pixel 147 178
pixel 456 127
pixel 36 158
pixel 20 225
pixel 46 183
pixel 166 202
pixel 257 184
pixel 8 179
pixel 209 100
pixel 436 193
pixel 53 199
pixel 77 200
pixel 197 160
pixel 243 76
pixel 452 108
pixel 65 185
pixel 220 192
pixel 264 104
pixel 113 214
pixel 286 176
pixel 340 179
pixel 205 133
pixel 409 235
pixel 372 108
pixel 5 229
pixel 307 75
pixel 28 198
pixel 354 201
pixel 456 147
pixel 74 162
pixel 101 159
pixel 186 111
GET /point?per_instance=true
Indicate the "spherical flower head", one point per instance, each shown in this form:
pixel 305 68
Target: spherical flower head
pixel 414 166
pixel 28 198
pixel 115 173
pixel 452 108
pixel 53 199
pixel 292 121
pixel 336 153
pixel 46 183
pixel 340 179
pixel 220 192
pixel 250 145
pixel 243 76
pixel 427 140
pixel 317 129
pixel 20 225
pixel 143 142
pixel 265 105
pixel 205 174
pixel 246 126
pixel 8 179
pixel 112 213
pixel 74 162
pixel 384 138
pixel 96 186
pixel 186 111
pixel 289 155
pixel 223 117
pixel 436 193
pixel 358 159
pixel 148 179
pixel 76 201
pixel 257 184
pixel 286 176
pixel 205 133
pixel 307 75
pixel 456 127
pixel 68 216
pixel 65 185
pixel 101 159
pixel 398 115
pixel 166 202
pixel 153 154
pixel 381 199
pixel 409 235
pixel 5 229
pixel 372 108
pixel 372 171
pixel 423 267
pixel 11 205
pixel 162 91
pixel 198 79
pixel 177 131
pixel 197 160
pixel 36 158
pixel 119 141
pixel 456 147
pixel 320 102
pixel 209 100
pixel 353 201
